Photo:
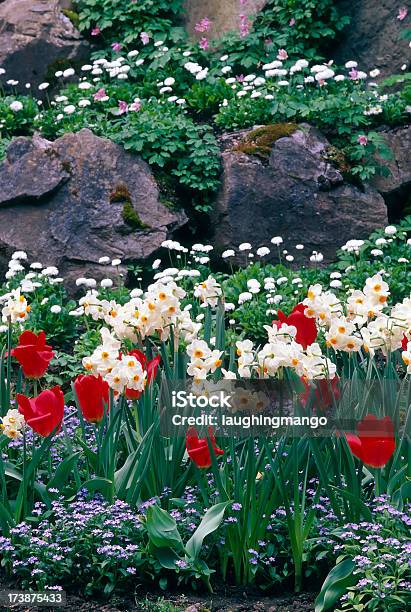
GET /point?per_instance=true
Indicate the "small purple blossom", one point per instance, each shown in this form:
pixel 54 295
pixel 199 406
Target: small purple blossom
pixel 203 25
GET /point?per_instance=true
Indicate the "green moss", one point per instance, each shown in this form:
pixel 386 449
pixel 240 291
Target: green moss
pixel 131 217
pixel 335 156
pixel 338 158
pixel 73 16
pixel 260 141
pixel 121 195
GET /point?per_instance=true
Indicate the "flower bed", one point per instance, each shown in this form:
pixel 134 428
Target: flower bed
pixel 189 508
pixel 303 481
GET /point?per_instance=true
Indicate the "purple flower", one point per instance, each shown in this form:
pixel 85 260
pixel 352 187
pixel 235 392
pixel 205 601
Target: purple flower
pixel 100 95
pixel 116 46
pixel 145 38
pixel 181 564
pixel 135 106
pixel 244 25
pixel 203 25
pixel 203 44
pixel 402 13
pixel 122 107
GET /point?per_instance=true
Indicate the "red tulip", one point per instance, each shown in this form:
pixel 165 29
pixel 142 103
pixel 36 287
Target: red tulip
pixel 404 343
pixel 375 442
pixel 43 413
pixel 33 354
pixel 326 392
pixel 149 366
pixel 198 449
pixel 93 397
pixel 306 328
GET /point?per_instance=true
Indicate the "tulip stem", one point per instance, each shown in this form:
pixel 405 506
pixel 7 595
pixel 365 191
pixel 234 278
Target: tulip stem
pixel 8 384
pixel 377 479
pixel 24 474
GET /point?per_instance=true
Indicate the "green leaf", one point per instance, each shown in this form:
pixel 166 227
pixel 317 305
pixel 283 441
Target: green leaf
pixel 6 519
pixel 335 585
pixel 102 485
pixel 63 471
pixel 167 557
pixel 162 529
pixel 211 521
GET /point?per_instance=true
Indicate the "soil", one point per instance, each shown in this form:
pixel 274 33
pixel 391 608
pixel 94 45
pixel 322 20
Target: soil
pixel 224 600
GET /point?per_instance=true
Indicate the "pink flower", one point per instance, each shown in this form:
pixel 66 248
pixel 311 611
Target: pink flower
pixel 353 74
pixel 135 106
pixel 100 95
pixel 203 25
pixel 244 25
pixel 145 38
pixel 291 22
pixel 116 46
pixel 240 78
pixel 282 54
pixel 402 13
pixel 122 107
pixel 362 140
pixel 95 31
pixel 203 44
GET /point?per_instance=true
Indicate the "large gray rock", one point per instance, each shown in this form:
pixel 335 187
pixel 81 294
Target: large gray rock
pixel 396 187
pixel 293 192
pixel 36 39
pixel 70 202
pixel 224 15
pixel 372 37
